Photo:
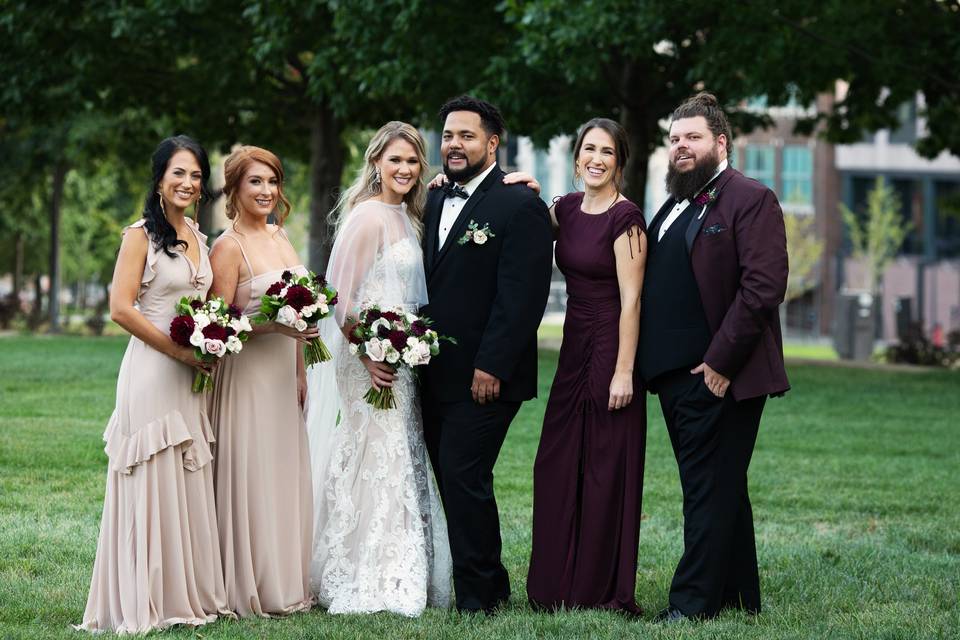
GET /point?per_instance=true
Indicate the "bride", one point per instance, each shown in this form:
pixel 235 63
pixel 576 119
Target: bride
pixel 380 537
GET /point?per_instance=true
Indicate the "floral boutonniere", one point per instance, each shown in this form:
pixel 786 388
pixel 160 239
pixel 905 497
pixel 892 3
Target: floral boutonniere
pixel 476 234
pixel 706 197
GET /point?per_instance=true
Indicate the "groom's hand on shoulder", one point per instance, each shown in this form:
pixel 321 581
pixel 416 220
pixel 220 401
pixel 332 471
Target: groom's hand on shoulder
pixel 485 387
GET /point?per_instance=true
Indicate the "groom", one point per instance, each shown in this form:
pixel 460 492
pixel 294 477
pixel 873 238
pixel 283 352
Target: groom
pixel 710 347
pixel 488 257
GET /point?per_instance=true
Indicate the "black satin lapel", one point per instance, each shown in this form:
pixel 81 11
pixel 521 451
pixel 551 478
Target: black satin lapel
pixel 695 226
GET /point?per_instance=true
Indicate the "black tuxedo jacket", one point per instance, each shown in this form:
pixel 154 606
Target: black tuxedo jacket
pixel 489 297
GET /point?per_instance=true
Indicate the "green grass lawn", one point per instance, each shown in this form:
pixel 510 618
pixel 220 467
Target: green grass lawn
pixel 855 484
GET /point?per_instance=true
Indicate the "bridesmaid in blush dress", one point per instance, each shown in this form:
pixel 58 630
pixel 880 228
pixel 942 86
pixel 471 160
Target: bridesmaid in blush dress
pixel 158 558
pixel 588 474
pixel 262 467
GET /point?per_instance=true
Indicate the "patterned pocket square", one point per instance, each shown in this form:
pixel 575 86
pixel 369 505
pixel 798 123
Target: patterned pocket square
pixel 714 229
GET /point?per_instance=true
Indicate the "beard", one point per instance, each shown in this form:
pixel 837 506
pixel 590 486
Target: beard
pixel 465 174
pixel 687 184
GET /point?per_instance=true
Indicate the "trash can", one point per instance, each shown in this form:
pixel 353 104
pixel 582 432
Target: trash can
pixel 855 325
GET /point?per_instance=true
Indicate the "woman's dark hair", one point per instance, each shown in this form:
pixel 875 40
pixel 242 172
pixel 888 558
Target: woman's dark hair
pixel 162 233
pixel 620 145
pixel 490 118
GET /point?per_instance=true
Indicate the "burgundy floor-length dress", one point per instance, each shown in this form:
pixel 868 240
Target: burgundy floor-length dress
pixel 588 475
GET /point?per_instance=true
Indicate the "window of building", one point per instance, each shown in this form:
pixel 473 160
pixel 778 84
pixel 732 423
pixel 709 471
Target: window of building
pixel 758 163
pixel 797 176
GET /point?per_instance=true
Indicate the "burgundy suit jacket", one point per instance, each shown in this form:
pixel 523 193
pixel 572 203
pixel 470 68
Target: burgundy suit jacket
pixel 738 251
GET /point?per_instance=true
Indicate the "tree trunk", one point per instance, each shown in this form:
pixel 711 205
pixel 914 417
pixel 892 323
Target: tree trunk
pixel 36 312
pixel 56 203
pixel 18 250
pixel 635 173
pixel 326 169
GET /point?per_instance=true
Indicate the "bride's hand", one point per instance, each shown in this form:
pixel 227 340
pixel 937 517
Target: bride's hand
pixel 438 181
pixel 522 177
pixel 381 374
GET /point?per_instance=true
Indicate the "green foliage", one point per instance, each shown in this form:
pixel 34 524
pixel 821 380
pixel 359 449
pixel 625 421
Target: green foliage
pixel 878 237
pixel 804 250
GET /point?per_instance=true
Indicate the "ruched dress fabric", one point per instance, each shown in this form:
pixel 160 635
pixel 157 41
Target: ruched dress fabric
pixel 158 556
pixel 588 474
pixel 262 467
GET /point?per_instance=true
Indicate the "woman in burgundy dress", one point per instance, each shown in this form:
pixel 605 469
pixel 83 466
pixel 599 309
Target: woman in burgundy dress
pixel 588 475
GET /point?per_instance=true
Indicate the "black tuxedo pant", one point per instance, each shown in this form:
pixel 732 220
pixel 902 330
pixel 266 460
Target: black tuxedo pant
pixel 713 441
pixel 464 440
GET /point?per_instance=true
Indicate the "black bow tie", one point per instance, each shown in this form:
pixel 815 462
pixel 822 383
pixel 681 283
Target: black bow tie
pixel 453 190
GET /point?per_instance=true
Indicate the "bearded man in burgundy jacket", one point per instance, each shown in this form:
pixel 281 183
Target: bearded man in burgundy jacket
pixel 710 347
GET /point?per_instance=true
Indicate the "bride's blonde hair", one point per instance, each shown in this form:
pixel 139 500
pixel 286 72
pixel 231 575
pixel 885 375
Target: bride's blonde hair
pixel 368 185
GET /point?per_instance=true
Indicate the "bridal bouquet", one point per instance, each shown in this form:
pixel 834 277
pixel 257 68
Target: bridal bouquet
pixel 212 328
pixel 397 338
pixel 300 302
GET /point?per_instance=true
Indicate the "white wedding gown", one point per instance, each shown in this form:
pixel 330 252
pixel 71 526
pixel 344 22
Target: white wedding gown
pixel 380 536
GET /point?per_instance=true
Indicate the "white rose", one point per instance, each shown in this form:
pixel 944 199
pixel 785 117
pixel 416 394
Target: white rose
pixel 374 349
pixel 234 345
pixel 424 352
pixel 308 310
pixel 412 342
pixel 300 325
pixel 324 309
pixel 411 318
pixel 245 324
pixel 287 315
pixel 196 338
pixel 353 349
pixel 214 347
pixel 392 355
pixel 411 357
pixel 479 237
pixel 201 320
pixel 213 305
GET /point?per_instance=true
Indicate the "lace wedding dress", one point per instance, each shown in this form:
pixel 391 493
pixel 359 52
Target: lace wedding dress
pixel 380 537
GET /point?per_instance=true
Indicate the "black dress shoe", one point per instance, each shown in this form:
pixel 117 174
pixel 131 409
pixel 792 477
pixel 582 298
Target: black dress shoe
pixel 670 615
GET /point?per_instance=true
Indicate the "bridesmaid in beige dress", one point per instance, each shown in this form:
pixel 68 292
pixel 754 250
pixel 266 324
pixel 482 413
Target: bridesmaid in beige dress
pixel 263 484
pixel 158 558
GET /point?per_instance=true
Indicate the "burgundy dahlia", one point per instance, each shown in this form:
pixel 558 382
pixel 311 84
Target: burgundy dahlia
pixel 286 276
pixel 214 331
pixel 299 296
pixel 233 311
pixel 398 339
pixel 196 304
pixel 181 329
pixel 275 289
pixel 418 328
pixel 390 316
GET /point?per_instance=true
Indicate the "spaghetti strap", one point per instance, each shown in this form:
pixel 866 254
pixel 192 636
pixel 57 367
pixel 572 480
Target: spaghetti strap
pixel 246 260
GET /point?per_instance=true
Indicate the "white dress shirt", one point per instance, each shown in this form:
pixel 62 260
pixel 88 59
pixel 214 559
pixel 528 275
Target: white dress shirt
pixel 453 206
pixel 680 206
